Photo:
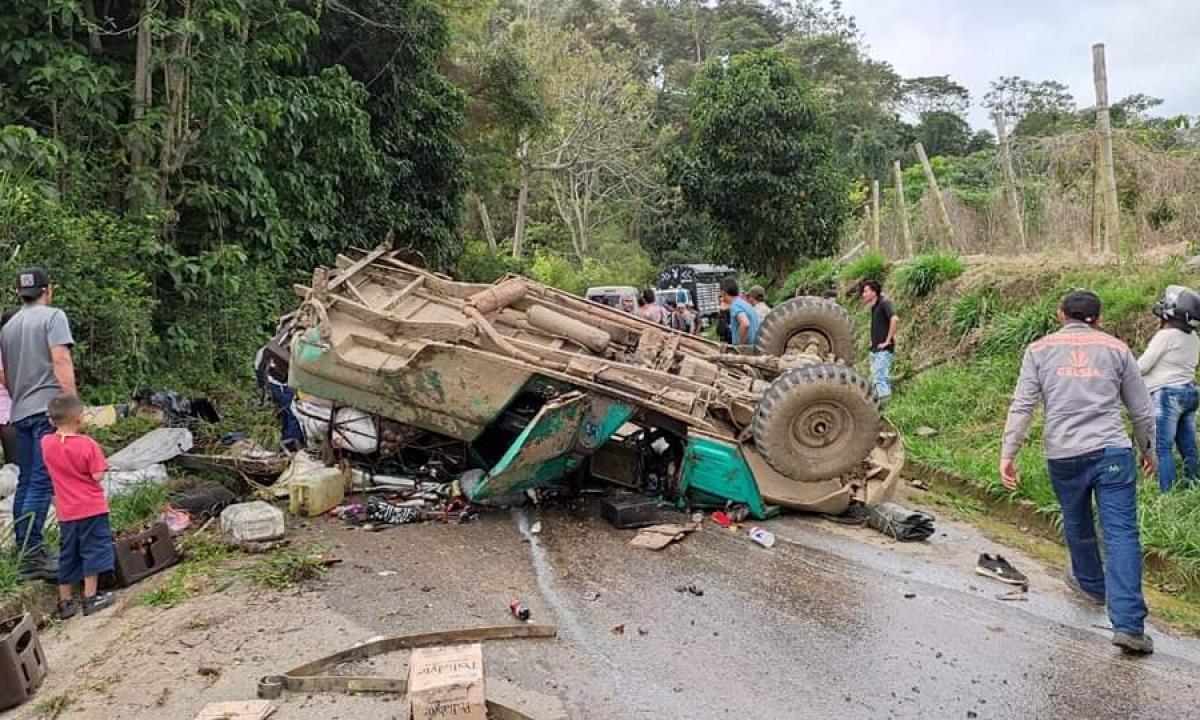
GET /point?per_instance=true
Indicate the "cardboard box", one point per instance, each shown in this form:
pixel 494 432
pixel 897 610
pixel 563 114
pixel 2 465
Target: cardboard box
pixel 446 683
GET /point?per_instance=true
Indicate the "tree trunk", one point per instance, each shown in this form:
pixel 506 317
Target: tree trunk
pixel 485 221
pixel 1112 213
pixel 901 210
pixel 89 12
pixel 522 199
pixel 143 91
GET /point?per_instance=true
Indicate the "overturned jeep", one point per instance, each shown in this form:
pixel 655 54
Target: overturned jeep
pixel 542 387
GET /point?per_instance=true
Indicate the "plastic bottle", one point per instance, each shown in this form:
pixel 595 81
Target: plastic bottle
pixel 763 537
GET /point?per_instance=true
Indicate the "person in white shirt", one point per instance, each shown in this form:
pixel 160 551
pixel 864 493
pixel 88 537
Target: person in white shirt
pixel 1168 367
pixel 758 298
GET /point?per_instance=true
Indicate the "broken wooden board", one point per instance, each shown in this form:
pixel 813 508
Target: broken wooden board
pixel 657 537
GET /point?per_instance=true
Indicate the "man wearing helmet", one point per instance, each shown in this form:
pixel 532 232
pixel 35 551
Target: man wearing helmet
pixel 1168 367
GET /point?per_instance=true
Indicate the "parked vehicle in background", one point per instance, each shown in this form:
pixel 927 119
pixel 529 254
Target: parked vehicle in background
pixel 702 282
pixel 621 297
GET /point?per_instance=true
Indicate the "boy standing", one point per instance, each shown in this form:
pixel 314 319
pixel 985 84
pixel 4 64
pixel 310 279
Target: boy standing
pixel 76 465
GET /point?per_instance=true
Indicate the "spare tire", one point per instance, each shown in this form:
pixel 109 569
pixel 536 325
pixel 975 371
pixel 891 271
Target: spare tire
pixel 794 324
pixel 817 422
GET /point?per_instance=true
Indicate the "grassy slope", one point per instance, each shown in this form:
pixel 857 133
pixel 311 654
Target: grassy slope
pixel 966 399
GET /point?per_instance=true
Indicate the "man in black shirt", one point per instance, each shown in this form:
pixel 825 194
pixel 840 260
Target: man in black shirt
pixel 884 322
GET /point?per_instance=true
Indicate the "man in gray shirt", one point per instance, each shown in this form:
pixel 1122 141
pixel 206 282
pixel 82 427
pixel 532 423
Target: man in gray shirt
pixel 36 347
pixel 1084 377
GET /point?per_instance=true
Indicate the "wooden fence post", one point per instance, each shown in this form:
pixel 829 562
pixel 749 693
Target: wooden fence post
pixel 1010 182
pixel 875 215
pixel 1112 213
pixel 943 216
pixel 901 210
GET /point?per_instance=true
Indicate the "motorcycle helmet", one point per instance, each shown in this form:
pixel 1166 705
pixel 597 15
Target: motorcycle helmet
pixel 1180 306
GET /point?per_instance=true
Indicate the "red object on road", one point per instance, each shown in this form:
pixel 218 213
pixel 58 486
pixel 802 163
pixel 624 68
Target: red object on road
pixel 519 610
pixel 720 518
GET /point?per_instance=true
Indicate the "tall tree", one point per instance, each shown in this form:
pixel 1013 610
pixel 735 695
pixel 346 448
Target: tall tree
pixel 762 163
pixel 1031 108
pixel 932 93
pixel 943 133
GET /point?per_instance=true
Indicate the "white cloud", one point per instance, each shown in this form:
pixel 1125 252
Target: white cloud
pixel 1152 46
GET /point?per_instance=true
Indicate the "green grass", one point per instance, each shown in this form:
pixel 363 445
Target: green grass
pixel 136 506
pixel 203 558
pixel 871 266
pixel 285 568
pixel 923 274
pixel 967 401
pixel 121 433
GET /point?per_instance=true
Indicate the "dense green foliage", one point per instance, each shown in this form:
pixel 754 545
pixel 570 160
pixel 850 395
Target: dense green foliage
pixel 761 164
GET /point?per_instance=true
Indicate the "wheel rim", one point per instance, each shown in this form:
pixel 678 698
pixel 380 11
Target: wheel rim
pixel 822 425
pixel 800 341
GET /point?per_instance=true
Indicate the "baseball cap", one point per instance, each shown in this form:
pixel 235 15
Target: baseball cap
pixel 1082 305
pixel 758 292
pixel 31 282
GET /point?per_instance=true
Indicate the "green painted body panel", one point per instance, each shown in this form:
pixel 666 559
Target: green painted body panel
pixel 714 472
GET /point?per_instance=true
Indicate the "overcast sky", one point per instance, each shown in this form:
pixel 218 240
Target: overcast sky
pixel 1152 46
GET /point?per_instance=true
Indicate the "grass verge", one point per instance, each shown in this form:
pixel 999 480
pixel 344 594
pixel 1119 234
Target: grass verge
pixel 203 558
pixel 285 568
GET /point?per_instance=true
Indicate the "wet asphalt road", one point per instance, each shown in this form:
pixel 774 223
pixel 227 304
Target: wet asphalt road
pixel 819 626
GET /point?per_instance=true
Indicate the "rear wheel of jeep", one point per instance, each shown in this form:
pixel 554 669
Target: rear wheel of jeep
pixel 807 323
pixel 817 422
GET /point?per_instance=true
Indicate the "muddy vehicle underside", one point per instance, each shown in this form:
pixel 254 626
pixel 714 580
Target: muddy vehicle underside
pixel 543 386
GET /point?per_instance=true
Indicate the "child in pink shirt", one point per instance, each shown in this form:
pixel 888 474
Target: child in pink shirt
pixel 76 465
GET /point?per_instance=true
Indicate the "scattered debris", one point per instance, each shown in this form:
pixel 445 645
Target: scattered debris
pixel 722 519
pixel 1017 595
pixel 447 681
pixel 141 554
pixel 386 573
pixel 763 537
pixel 899 522
pixel 657 537
pixel 155 447
pixel 918 484
pixel 997 568
pixel 117 482
pixel 628 510
pixel 22 663
pixel 237 710
pixel 316 491
pixel 618 629
pixel 855 514
pixel 208 671
pixel 519 610
pixel 536 528
pixel 252 521
pixel 203 501
pixel 690 588
pixel 591 595
pixel 909 595
pixel 643 632
pixel 925 432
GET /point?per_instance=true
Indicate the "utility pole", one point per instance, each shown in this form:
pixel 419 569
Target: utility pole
pixel 901 210
pixel 875 215
pixel 1108 178
pixel 943 216
pixel 1010 181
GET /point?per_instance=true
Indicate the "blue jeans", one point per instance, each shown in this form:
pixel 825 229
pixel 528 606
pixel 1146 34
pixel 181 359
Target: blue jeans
pixel 34 491
pixel 881 372
pixel 1110 477
pixel 1176 408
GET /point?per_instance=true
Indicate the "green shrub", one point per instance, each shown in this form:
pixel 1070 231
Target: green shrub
pixel 815 277
pixel 872 266
pixel 1013 330
pixel 925 273
pixel 972 311
pixel 480 264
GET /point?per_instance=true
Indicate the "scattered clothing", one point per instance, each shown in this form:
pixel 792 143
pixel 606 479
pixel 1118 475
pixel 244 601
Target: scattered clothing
pixel 1085 376
pixel 996 567
pixel 899 522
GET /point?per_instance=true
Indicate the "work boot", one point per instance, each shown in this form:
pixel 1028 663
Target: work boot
pixel 98 602
pixel 1134 644
pixel 38 565
pixel 1073 583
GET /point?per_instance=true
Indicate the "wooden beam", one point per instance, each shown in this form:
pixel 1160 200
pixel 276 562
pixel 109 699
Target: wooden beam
pixel 1108 178
pixel 931 179
pixel 901 209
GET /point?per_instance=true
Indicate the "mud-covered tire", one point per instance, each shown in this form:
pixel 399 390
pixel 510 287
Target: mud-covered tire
pixel 817 422
pixel 790 322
